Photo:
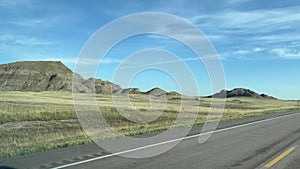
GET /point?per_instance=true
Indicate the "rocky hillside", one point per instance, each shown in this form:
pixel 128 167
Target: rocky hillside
pixel 35 76
pixel 55 76
pixel 101 87
pixel 156 91
pixel 240 92
pixel 131 91
pixel 47 76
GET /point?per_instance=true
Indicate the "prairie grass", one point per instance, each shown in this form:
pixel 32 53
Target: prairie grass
pixel 40 121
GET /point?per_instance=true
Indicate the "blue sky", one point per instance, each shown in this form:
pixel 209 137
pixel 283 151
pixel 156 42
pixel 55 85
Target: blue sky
pixel 257 40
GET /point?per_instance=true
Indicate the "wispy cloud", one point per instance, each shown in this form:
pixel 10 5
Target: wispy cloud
pixel 8 3
pixel 242 30
pixel 28 22
pixel 234 2
pixel 95 61
pixel 110 61
pixel 248 51
pixel 32 41
pixel 286 53
pixel 22 40
pixel 155 63
pixel 258 49
pixel 261 25
pixel 255 21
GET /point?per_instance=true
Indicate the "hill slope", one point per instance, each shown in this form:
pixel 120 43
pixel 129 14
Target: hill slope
pixel 241 92
pixel 55 76
pixel 47 76
pixel 35 76
pixel 156 91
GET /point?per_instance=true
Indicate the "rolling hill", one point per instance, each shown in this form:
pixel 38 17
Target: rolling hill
pixel 36 76
pixel 240 92
pixel 39 76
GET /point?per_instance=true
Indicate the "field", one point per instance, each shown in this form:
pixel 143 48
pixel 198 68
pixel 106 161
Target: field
pixel 33 122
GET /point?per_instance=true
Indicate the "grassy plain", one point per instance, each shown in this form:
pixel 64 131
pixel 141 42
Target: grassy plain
pixel 32 122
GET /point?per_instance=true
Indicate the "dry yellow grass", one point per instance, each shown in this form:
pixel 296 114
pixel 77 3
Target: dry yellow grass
pixel 32 122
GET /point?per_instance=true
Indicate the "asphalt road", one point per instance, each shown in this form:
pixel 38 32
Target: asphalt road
pixel 245 143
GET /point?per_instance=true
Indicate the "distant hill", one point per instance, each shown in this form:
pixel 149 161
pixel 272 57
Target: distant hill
pixel 173 93
pixel 131 91
pixel 35 76
pixel 47 76
pixel 38 76
pixel 156 91
pixel 101 87
pixel 240 92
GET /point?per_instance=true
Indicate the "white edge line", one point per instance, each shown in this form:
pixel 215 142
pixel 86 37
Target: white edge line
pixel 170 141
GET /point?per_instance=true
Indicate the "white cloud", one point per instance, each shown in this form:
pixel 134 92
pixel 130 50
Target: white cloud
pixel 241 52
pixel 258 49
pixel 12 40
pixel 110 61
pixel 13 4
pixel 8 3
pixel 249 51
pixel 28 22
pixel 257 26
pixel 275 38
pixel 155 63
pixel 6 37
pixel 233 2
pixel 262 20
pixel 95 61
pixel 31 42
pixel 286 53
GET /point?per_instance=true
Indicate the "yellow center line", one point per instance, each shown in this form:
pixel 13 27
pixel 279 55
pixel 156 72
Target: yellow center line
pixel 281 156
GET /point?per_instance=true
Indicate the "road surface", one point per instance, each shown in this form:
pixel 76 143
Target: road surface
pixel 239 144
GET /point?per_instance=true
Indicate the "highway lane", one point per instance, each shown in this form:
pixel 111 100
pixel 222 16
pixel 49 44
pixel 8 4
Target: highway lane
pixel 289 158
pixel 292 161
pixel 245 146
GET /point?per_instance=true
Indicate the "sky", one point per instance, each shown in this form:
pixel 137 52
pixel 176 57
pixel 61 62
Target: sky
pixel 257 41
